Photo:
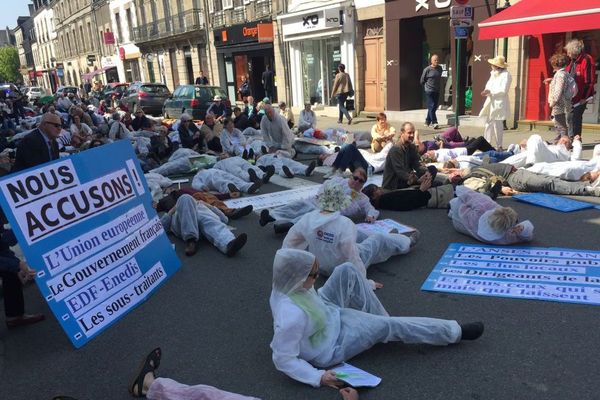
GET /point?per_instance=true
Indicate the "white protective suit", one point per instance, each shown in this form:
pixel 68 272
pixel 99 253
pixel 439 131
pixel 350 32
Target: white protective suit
pixel 277 134
pixel 165 388
pixel 217 180
pixel 239 167
pixel 194 217
pixel 496 107
pixel 278 162
pixel 343 319
pixel 538 151
pixel 332 238
pixel 233 143
pixel 567 170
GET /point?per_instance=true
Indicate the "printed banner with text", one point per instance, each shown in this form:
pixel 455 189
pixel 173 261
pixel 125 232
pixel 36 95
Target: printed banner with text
pixel 552 274
pixel 87 225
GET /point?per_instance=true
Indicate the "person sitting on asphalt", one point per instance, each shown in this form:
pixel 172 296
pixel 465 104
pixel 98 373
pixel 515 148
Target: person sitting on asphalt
pixel 210 135
pixel 382 133
pixel 285 167
pixel 243 169
pixel 189 218
pixel 218 108
pixel 402 166
pixel 223 182
pixel 141 122
pixel 317 329
pixel 161 146
pixel 276 134
pixel 333 238
pixel 307 119
pixel 117 130
pixel 359 209
pixel 477 215
pixel 233 141
pixel 287 113
pixel 189 134
pixel 240 119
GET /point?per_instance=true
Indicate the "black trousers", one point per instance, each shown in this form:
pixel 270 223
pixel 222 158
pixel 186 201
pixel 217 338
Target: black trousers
pixel 403 200
pixel 215 145
pixel 12 290
pixel 478 144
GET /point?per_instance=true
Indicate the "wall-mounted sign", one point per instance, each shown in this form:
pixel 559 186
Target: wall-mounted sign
pixel 313 21
pixel 261 32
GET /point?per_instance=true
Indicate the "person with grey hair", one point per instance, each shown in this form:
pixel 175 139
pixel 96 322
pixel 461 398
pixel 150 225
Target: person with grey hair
pixel 118 130
pixel 582 68
pixel 307 119
pixel 431 79
pixel 477 215
pixel 276 133
pixel 313 330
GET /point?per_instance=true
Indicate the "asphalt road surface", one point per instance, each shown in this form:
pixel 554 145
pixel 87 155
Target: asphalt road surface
pixel 213 322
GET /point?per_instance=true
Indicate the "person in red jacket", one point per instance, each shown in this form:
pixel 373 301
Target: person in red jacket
pixel 583 70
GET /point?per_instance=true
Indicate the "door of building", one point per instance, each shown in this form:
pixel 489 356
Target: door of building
pixel 374 94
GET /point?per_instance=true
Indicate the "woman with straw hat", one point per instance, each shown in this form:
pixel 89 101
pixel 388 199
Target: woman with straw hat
pixel 496 107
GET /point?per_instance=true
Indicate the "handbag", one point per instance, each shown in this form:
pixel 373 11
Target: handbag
pixel 351 93
pixel 350 104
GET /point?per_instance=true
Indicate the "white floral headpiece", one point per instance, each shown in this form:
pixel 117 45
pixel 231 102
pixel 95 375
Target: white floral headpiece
pixel 333 197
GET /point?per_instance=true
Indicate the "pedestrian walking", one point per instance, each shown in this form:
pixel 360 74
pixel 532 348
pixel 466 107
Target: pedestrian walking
pixel 559 98
pixel 582 69
pixel 431 79
pixel 496 107
pixel 342 89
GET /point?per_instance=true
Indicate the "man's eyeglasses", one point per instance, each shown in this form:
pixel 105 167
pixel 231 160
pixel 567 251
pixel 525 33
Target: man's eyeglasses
pixel 358 179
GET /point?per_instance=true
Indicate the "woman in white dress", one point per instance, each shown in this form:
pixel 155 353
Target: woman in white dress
pixel 496 108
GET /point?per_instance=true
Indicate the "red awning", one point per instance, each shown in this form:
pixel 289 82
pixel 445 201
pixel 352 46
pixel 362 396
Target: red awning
pixel 532 17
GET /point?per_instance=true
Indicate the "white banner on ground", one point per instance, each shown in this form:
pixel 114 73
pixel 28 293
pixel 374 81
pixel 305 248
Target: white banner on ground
pixel 274 199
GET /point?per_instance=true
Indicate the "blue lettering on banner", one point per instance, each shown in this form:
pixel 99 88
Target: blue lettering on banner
pixel 87 224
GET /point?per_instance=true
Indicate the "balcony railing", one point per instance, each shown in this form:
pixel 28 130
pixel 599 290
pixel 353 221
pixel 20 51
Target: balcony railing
pixel 219 19
pixel 174 25
pixel 262 8
pixel 238 15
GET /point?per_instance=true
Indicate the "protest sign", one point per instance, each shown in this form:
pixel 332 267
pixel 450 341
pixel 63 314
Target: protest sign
pixel 557 203
pixel 552 274
pixel 384 226
pixel 87 225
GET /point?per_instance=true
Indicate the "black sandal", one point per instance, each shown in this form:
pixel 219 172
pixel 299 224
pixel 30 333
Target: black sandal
pixel 150 364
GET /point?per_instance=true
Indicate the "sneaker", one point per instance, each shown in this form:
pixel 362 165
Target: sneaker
pixel 254 187
pixel 232 188
pixel 252 176
pixel 311 168
pixel 236 244
pixel 471 331
pixel 339 121
pixel 287 172
pixel 241 212
pixel 513 148
pixel 414 237
pixel 262 168
pixel 270 170
pixel 191 247
pixel 265 218
pixel 283 227
pixel 250 153
pixel 436 126
pixel 427 124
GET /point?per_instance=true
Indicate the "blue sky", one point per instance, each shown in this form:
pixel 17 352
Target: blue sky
pixel 11 9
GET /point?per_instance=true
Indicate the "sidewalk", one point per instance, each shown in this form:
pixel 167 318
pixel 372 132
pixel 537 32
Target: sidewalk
pixel 510 136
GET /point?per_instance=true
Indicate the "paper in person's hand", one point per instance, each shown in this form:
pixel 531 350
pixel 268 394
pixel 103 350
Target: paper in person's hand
pixel 355 377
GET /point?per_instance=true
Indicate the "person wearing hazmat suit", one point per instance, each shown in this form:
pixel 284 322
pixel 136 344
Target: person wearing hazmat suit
pixel 223 182
pixel 333 238
pixel 314 330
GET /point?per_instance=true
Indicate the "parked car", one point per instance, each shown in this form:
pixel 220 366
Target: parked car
pixel 194 100
pixel 66 90
pixel 150 97
pixel 114 91
pixel 36 93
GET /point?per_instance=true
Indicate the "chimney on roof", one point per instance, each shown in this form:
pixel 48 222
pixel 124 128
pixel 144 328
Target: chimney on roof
pixel 31 9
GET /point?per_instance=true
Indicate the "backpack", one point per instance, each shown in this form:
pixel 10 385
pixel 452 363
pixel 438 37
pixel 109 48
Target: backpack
pixel 570 86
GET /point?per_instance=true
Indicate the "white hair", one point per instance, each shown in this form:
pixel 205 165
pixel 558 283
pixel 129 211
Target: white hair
pixel 574 47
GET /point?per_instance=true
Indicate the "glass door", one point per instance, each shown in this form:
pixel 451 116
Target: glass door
pixel 311 70
pixel 333 58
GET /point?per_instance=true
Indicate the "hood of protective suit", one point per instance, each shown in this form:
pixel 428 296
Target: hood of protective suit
pixel 318 219
pixel 290 269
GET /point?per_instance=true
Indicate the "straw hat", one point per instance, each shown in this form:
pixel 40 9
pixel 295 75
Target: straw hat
pixel 498 61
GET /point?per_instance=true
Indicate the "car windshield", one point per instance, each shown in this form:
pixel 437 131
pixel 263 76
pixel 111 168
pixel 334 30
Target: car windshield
pixel 157 90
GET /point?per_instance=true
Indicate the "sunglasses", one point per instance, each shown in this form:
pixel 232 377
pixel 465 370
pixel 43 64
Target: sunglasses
pixel 358 179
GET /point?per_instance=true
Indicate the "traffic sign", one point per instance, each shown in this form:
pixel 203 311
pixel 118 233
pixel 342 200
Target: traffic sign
pixel 461 22
pixel 461 12
pixel 461 32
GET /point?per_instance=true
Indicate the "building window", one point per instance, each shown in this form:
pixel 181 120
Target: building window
pixel 262 8
pixel 119 30
pixel 129 24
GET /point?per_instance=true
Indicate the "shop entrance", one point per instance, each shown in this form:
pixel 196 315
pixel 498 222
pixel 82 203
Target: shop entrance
pixel 320 61
pixel 250 65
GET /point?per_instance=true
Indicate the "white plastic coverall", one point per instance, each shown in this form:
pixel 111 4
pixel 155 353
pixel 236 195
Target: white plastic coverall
pixel 342 320
pixel 194 217
pixel 217 180
pixel 233 143
pixel 277 134
pixel 165 388
pixel 332 238
pixel 239 167
pixel 278 162
pixel 568 170
pixel 538 151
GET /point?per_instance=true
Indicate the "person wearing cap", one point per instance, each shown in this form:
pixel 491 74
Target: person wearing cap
pixel 496 108
pixel 218 108
pixel 307 119
pixel 477 215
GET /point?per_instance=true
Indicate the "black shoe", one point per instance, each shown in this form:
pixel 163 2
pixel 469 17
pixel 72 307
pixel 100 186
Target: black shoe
pixel 262 168
pixel 250 153
pixel 191 247
pixel 245 154
pixel 252 175
pixel 287 171
pixel 270 170
pixel 471 331
pixel 265 218
pixel 337 149
pixel 311 168
pixel 241 212
pixel 339 121
pixel 350 121
pixel 236 244
pixel 254 188
pixel 264 150
pixel 413 236
pixel 283 227
pixel 232 188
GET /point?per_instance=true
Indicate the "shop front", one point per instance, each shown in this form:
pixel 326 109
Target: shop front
pixel 320 39
pixel 417 29
pixel 245 50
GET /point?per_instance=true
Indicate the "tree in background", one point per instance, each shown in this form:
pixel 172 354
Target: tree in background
pixel 9 64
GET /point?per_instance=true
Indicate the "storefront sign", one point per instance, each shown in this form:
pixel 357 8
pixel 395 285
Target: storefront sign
pixel 108 62
pixel 313 21
pixel 245 33
pixel 109 38
pixel 424 4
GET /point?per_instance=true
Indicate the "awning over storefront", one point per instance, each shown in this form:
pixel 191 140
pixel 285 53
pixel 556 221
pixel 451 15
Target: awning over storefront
pixel 532 17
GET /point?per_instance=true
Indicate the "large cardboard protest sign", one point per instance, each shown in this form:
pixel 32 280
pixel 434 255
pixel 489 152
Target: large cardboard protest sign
pixel 552 274
pixel 87 225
